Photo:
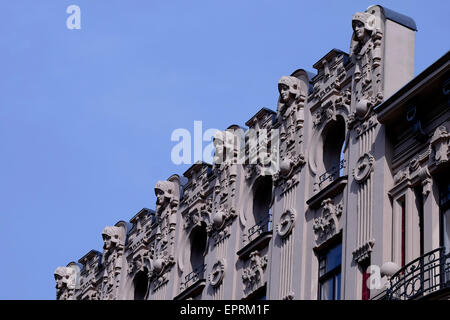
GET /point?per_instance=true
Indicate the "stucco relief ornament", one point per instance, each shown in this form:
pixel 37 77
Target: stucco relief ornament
pixel 401 175
pixel 219 228
pixel 113 244
pixel 366 54
pixel 351 120
pixel 289 108
pixel 166 201
pixel 139 263
pixel 286 223
pixel 217 273
pixel 439 143
pixel 253 275
pixel 250 171
pixel 363 168
pixel 362 253
pixel 325 225
pixel 288 165
pixel 317 118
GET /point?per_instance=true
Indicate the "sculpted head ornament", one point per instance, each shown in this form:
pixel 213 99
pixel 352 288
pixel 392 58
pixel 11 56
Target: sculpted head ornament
pixel 61 275
pixel 363 24
pixel 111 237
pixel 164 191
pixel 288 86
pixel 65 277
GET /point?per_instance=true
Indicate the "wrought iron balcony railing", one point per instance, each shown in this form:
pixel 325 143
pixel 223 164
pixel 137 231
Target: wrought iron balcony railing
pixel 194 276
pixel 333 173
pixel 422 276
pixel 264 225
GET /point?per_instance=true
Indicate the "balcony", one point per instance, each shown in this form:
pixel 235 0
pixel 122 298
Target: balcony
pixel 193 284
pixel 330 184
pixel 425 277
pixel 332 174
pixel 258 236
pixel 264 225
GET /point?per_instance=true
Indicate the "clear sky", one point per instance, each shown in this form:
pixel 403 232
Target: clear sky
pixel 86 115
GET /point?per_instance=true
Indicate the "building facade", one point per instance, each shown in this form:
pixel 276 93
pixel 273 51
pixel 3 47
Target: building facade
pixel 353 202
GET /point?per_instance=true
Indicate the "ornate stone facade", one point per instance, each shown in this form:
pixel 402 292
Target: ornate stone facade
pixel 357 156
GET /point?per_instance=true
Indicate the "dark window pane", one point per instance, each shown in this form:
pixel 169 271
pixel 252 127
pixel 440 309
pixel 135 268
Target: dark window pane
pixel 334 257
pixel 446 229
pixel 322 266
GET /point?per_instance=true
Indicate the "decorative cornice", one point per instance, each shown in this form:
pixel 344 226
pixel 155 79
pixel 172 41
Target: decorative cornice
pixel 363 252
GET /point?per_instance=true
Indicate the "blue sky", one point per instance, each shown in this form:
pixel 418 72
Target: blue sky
pixel 86 115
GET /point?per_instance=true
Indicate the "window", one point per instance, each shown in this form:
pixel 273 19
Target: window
pixel 333 160
pixel 403 234
pixel 262 198
pixel 444 208
pixel 330 273
pixel 198 246
pixel 140 285
pixel 419 205
pixel 259 294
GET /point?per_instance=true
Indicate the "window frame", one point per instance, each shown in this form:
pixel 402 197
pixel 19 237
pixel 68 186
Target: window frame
pixel 332 274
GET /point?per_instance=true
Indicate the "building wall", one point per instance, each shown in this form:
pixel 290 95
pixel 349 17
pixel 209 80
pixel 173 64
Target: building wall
pixel 338 174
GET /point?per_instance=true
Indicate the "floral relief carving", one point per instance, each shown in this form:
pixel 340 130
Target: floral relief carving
pixel 253 275
pixel 325 226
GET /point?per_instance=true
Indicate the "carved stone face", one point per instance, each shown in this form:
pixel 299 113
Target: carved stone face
pixel 284 92
pixel 359 29
pixel 107 242
pixel 289 89
pixel 164 192
pixel 160 197
pixel 59 281
pixel 62 277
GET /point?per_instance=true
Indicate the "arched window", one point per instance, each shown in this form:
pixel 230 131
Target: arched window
pixel 140 285
pixel 198 241
pixel 333 137
pixel 262 198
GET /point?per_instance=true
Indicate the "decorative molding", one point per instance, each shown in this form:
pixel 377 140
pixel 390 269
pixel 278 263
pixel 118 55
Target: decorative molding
pixel 288 165
pixel 253 275
pixel 363 168
pixel 217 273
pixel 366 125
pixel 363 252
pixel 67 281
pixel 113 247
pixel 326 225
pixel 289 184
pixel 162 245
pixel 289 296
pixel 286 223
pixel 366 55
pixel 219 228
pixel 89 284
pixel 439 144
